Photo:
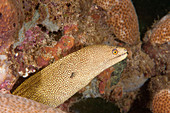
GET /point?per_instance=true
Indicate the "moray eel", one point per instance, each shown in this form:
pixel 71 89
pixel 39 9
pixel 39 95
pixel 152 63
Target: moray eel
pixel 60 80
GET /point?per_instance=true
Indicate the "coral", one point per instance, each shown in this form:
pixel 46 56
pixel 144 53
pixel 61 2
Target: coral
pixel 86 20
pixel 29 7
pixel 157 44
pixel 79 15
pixel 7 77
pixel 61 48
pixel 40 44
pixel 63 12
pixel 92 27
pixel 104 78
pixel 10 20
pixel 54 28
pixel 123 18
pixel 161 103
pixel 139 68
pixel 39 48
pixel 70 29
pixel 160 33
pixel 42 9
pixel 155 85
pixel 117 93
pixel 123 100
pixel 12 103
pixel 160 55
pixel 27 51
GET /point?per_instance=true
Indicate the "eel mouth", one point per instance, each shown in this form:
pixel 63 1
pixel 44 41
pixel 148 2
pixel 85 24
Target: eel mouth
pixel 112 61
pixel 124 54
pixel 118 58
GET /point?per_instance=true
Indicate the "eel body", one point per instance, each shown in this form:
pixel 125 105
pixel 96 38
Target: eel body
pixel 15 104
pixel 60 80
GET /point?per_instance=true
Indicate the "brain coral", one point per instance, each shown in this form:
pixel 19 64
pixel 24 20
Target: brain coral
pixel 157 44
pixel 161 102
pixel 15 104
pixel 161 31
pixel 9 21
pixel 123 18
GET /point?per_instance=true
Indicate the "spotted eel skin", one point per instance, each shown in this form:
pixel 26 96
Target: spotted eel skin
pixel 59 81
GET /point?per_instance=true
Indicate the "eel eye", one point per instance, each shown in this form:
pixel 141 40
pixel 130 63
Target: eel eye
pixel 115 51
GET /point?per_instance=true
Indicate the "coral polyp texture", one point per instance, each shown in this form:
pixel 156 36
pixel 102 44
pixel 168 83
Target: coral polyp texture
pixel 10 14
pixel 123 19
pixel 15 104
pixel 157 44
pixel 161 102
pixel 161 31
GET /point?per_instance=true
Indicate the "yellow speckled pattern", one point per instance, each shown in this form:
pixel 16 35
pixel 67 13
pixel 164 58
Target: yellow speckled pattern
pixel 15 104
pixel 59 81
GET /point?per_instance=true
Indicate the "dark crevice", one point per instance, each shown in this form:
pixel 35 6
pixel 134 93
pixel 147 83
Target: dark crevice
pixel 148 11
pixel 14 24
pixel 117 40
pixel 140 103
pixel 43 28
pixel 37 6
pixel 39 25
pixel 57 34
pixel 68 4
pixel 0 15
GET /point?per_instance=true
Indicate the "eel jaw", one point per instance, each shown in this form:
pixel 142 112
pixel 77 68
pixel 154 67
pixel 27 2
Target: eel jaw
pixel 118 58
pixel 113 61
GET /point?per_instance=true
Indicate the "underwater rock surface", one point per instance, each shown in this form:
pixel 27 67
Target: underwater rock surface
pixel 35 33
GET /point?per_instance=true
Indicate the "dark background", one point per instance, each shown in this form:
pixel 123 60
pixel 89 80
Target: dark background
pixel 150 10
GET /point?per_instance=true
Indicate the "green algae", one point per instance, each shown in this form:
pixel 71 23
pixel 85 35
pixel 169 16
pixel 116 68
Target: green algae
pixel 119 67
